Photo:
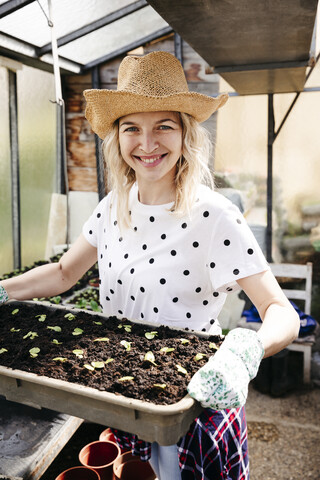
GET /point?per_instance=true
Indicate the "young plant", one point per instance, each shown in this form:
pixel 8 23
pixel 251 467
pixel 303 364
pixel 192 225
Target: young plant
pixel 95 306
pixel 78 353
pixel 213 346
pixel 149 357
pixel 56 299
pixel 126 345
pixel 199 356
pixel 13 330
pixel 55 329
pixel 15 311
pixel 166 350
pixel 184 341
pixel 101 339
pixel 3 350
pixel 41 317
pixel 69 316
pixel 60 359
pixel 31 335
pixel 151 335
pixel 160 386
pixel 125 379
pixel 56 342
pixel 181 369
pixel 77 331
pixel 34 352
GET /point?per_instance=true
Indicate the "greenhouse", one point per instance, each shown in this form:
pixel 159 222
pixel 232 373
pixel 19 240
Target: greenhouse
pixel 265 160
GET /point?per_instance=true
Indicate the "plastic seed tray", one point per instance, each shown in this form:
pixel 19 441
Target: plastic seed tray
pixel 164 424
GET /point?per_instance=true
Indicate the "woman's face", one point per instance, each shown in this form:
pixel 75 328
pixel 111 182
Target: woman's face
pixel 151 144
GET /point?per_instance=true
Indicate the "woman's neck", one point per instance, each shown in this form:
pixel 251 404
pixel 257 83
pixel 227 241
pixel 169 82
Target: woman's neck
pixel 156 195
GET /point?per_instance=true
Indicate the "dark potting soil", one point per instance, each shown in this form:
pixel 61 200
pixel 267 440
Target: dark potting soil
pixel 107 354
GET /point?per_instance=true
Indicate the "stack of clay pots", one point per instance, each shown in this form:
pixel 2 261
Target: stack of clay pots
pixel 103 460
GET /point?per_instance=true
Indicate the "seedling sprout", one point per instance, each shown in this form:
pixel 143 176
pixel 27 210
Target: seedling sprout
pixel 181 370
pixel 150 335
pixel 69 316
pixel 126 345
pixel 77 331
pixel 3 350
pixel 149 357
pixel 55 329
pixel 31 335
pixel 41 317
pixel 15 311
pixel 34 352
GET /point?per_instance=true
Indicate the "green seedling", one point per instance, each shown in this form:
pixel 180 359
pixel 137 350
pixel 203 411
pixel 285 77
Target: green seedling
pixel 15 311
pixel 97 365
pixel 161 386
pixel 109 360
pixel 89 367
pixel 56 299
pixel 181 370
pixel 78 353
pixel 81 303
pixel 126 345
pixel 184 341
pixel 34 352
pixel 98 323
pixel 31 335
pixel 199 356
pixel 126 379
pixel 13 330
pixel 213 346
pixel 55 329
pixel 56 342
pixel 127 328
pixel 95 306
pixel 69 316
pixel 149 357
pixel 77 331
pixel 3 350
pixel 41 317
pixel 101 339
pixel 60 359
pixel 150 335
pixel 166 350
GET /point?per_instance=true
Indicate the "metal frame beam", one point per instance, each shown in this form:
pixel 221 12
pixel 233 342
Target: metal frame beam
pixel 258 66
pixel 95 81
pixel 91 27
pixel 12 6
pixel 178 47
pixel 127 48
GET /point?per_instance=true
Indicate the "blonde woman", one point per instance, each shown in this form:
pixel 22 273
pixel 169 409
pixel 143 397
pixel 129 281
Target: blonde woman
pixel 169 250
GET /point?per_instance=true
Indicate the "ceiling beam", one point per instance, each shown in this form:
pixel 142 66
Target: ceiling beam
pixel 259 66
pixel 12 5
pixel 91 27
pixel 127 48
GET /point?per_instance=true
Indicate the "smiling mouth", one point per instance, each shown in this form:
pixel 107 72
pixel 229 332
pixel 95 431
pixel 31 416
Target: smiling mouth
pixel 150 160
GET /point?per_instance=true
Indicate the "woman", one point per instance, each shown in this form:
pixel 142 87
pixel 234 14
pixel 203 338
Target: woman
pixel 169 251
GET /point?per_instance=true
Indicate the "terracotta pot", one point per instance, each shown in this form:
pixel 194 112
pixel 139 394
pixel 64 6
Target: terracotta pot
pixel 100 456
pixel 107 435
pixel 130 467
pixel 79 473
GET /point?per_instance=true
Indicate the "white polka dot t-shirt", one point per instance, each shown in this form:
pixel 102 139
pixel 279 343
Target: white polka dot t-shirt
pixel 172 270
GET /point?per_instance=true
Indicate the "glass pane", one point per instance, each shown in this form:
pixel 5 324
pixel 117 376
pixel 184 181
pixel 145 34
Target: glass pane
pixel 30 24
pixel 114 36
pixel 6 251
pixel 37 133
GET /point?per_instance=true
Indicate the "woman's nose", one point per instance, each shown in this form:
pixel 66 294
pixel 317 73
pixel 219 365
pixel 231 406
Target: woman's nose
pixel 148 143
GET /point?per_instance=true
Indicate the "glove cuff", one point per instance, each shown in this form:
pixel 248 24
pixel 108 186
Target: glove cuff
pixel 247 345
pixel 4 297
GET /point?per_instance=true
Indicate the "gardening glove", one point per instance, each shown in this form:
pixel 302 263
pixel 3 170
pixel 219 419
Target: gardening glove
pixel 4 297
pixel 223 381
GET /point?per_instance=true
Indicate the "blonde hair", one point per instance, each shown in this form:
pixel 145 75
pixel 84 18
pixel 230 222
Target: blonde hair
pixel 192 169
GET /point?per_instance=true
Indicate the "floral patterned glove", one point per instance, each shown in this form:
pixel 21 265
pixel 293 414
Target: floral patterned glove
pixel 223 381
pixel 3 295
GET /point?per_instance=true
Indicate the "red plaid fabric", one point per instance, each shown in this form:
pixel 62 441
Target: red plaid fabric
pixel 214 448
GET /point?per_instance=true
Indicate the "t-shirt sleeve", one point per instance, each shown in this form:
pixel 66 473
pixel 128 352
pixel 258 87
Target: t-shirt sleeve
pixel 90 228
pixel 234 251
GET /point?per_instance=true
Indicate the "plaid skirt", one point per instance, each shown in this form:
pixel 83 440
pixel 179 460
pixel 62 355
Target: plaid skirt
pixel 215 447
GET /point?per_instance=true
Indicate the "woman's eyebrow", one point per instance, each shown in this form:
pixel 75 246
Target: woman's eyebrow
pixel 127 123
pixel 167 120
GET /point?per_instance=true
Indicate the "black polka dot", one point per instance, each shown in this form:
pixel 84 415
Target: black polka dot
pixel 195 244
pixel 90 232
pixel 120 311
pixel 163 281
pixel 142 289
pixel 227 243
pixel 126 255
pixel 212 265
pixel 198 289
pixel 108 299
pixel 204 330
pixel 239 221
pixel 155 310
pixel 115 223
pixel 132 298
pixel 130 212
pixel 152 219
pixel 105 247
pixel 151 260
pixel 144 247
pixel 250 251
pixel 229 289
pixel 120 239
pixel 173 252
pixel 98 215
pixel 184 225
pixel 120 282
pixel 142 316
pixel 215 294
pixel 186 272
pixel 132 270
pixel 206 214
pixel 135 229
pixel 110 264
pixel 163 236
pixel 205 302
pixel 175 299
pixel 101 256
pixel 111 291
pixel 188 315
pixel 236 271
pixel 212 321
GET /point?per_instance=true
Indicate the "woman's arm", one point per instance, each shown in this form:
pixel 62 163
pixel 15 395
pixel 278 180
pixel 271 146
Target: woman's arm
pixel 280 322
pixel 53 278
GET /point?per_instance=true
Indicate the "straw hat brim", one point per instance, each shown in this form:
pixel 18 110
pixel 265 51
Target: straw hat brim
pixel 104 107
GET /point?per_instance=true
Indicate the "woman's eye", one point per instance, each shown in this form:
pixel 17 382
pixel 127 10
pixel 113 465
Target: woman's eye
pixel 131 129
pixel 165 127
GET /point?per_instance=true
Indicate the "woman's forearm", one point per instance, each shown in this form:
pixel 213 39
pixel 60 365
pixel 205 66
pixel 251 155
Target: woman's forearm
pixel 279 328
pixel 44 281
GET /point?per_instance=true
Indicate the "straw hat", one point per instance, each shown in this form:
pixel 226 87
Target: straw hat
pixel 151 83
